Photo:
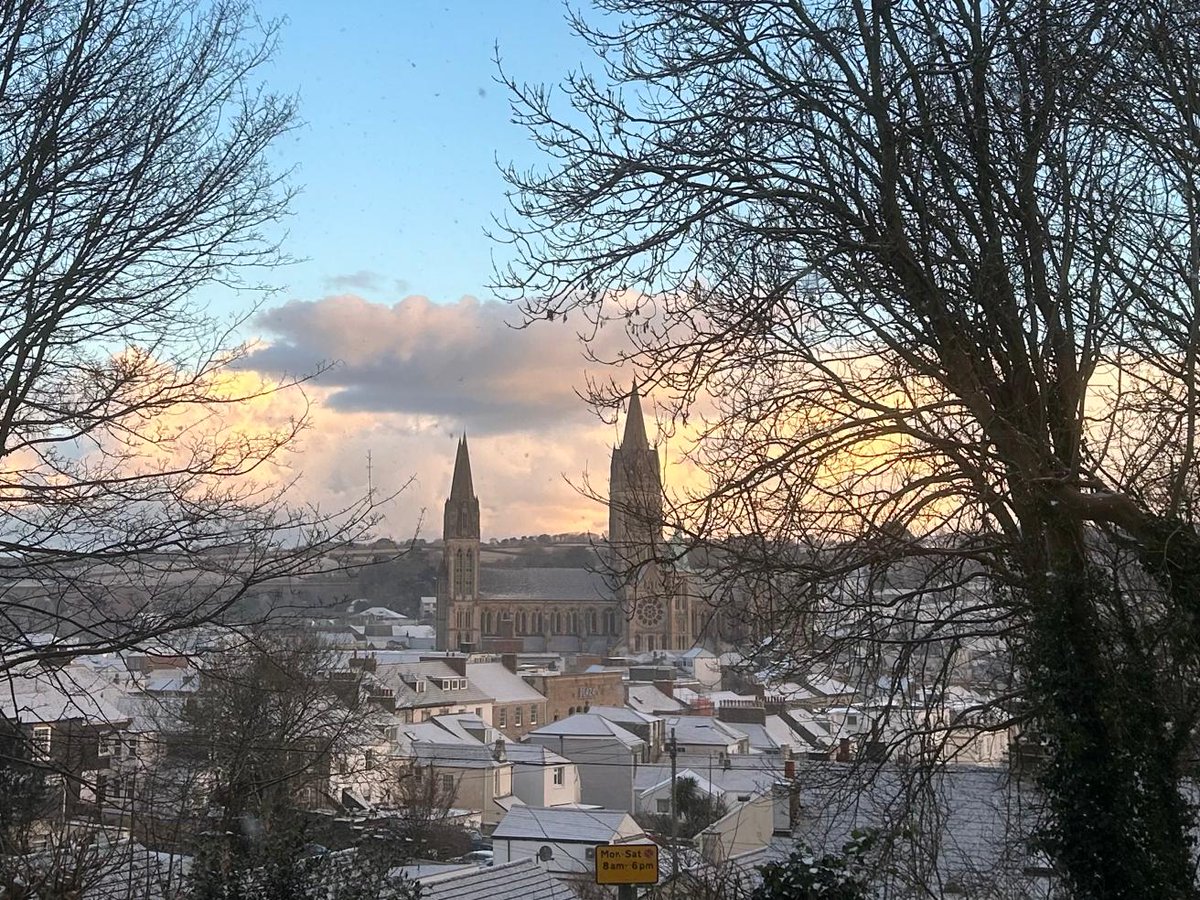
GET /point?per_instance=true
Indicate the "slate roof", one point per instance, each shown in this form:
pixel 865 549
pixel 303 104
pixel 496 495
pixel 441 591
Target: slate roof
pixel 392 675
pixel 623 715
pixel 975 820
pixel 772 735
pixel 455 754
pixel 543 584
pixel 566 824
pixel 703 730
pixel 649 699
pixel 521 879
pixel 33 694
pixel 747 774
pixel 588 725
pixel 533 755
pixel 502 685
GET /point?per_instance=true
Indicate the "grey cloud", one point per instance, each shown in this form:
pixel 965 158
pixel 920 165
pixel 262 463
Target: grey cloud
pixel 362 280
pixel 459 361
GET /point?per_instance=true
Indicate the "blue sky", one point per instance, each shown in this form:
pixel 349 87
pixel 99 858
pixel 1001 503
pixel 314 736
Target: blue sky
pixel 403 124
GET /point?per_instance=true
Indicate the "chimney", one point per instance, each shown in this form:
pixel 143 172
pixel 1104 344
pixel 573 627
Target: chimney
pixel 843 750
pixel 735 711
pixel 789 769
pixel 667 687
pixel 510 661
pixel 499 752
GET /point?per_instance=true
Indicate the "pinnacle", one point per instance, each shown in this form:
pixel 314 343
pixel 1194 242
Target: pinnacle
pixel 461 487
pixel 635 426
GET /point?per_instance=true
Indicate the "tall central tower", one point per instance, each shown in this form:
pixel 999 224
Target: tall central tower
pixel 458 581
pixel 635 493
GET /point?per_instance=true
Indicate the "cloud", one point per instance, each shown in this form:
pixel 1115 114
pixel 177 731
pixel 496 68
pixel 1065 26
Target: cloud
pixel 362 280
pixel 411 376
pixel 460 364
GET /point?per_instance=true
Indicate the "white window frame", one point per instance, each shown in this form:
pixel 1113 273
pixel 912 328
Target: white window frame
pixel 560 775
pixel 43 740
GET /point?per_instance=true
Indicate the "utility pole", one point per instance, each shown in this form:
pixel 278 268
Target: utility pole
pixel 674 813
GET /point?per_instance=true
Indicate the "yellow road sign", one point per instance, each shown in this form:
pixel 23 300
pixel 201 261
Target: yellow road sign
pixel 626 863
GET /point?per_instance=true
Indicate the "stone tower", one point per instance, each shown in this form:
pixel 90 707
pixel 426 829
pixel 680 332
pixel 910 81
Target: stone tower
pixel 458 581
pixel 648 591
pixel 635 494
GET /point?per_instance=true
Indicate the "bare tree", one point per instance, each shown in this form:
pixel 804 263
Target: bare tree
pixel 135 184
pixel 919 282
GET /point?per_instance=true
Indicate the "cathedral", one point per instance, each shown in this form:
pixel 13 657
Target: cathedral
pixel 632 600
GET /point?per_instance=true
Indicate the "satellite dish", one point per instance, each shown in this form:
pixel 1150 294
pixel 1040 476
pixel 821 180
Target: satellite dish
pixel 545 853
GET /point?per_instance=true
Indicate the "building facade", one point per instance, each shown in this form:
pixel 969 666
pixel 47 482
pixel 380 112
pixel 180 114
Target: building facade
pixel 632 600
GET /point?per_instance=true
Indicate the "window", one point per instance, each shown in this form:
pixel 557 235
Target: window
pixel 517 716
pixel 502 720
pixel 559 775
pixel 448 783
pixel 533 715
pixel 41 741
pixel 479 711
pixel 662 805
pixel 105 744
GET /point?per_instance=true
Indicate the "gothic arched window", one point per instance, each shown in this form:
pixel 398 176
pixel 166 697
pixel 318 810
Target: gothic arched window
pixel 458 573
pixel 469 574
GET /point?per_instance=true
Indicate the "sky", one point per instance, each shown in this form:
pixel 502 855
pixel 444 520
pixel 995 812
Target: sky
pixel 396 161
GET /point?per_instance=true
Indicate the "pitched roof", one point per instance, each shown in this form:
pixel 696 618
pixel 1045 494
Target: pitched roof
pixel 392 675
pixel 648 698
pixel 550 583
pixel 567 824
pixel 533 755
pixel 461 487
pixel 521 879
pixel 747 773
pixel 703 730
pixel 501 684
pixel 623 715
pixel 588 725
pixel 33 694
pixel 456 755
pixel 980 817
pixel 635 426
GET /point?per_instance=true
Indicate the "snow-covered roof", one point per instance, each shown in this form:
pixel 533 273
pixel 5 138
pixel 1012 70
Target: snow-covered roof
pixel 648 698
pixel 623 715
pixel 588 725
pixel 521 879
pixel 568 825
pixel 33 694
pixel 501 684
pixel 703 730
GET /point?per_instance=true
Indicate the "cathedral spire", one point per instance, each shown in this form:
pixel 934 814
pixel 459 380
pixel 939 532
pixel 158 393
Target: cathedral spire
pixel 635 427
pixel 461 487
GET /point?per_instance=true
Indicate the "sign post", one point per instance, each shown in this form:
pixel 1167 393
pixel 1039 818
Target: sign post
pixel 626 865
